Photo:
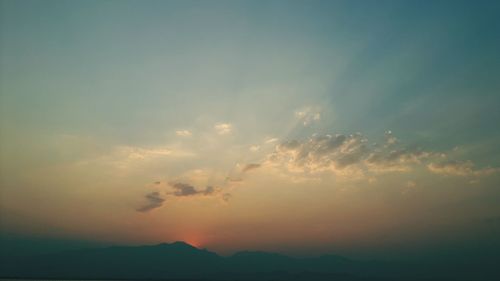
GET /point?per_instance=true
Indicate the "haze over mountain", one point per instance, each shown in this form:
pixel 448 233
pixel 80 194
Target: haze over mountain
pixel 180 260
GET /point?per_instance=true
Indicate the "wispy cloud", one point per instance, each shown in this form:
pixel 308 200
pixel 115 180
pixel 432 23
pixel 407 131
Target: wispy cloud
pixel 390 139
pixel 320 153
pixel 184 189
pixel 183 133
pixel 271 140
pixel 122 153
pixel 223 128
pixel 154 200
pixel 249 167
pixel 308 115
pixel 459 168
pixel 353 153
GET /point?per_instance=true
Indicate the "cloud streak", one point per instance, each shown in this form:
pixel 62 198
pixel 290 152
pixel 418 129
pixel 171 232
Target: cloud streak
pixel 320 153
pixel 249 167
pixel 183 133
pixel 353 154
pixel 154 201
pixel 184 190
pixel 223 128
pixel 308 115
pixel 459 168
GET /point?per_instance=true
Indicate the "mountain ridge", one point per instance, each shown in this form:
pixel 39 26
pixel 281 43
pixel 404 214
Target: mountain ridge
pixel 180 260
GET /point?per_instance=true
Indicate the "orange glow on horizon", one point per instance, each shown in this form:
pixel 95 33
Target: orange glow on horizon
pixel 194 240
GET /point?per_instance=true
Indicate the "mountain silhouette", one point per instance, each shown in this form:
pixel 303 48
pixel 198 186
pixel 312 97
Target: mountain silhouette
pixel 181 261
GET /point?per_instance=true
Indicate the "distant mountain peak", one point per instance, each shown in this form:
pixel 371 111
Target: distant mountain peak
pixel 182 243
pixel 178 244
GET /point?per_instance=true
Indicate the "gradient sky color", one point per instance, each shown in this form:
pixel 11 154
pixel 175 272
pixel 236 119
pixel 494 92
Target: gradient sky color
pixel 306 127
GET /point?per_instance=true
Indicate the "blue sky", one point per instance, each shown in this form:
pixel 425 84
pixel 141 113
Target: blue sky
pixel 378 66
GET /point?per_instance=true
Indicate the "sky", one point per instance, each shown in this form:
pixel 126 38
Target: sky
pixel 366 128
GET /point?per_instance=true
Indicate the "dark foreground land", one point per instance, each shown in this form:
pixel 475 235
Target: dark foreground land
pixel 181 261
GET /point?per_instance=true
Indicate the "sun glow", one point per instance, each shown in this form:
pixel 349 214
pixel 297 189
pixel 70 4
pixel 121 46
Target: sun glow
pixel 194 240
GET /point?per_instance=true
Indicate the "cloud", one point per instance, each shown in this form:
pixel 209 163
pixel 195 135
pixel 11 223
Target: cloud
pixel 271 140
pixel 237 174
pixel 345 155
pixel 209 190
pixel 320 153
pixel 352 156
pixel 123 154
pixel 184 189
pixel 154 201
pixel 143 153
pixel 389 138
pixel 400 159
pixel 459 168
pixel 183 133
pixel 249 167
pixel 223 128
pixel 308 115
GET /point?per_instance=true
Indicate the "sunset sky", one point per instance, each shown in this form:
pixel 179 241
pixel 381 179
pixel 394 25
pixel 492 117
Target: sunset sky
pixel 366 128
